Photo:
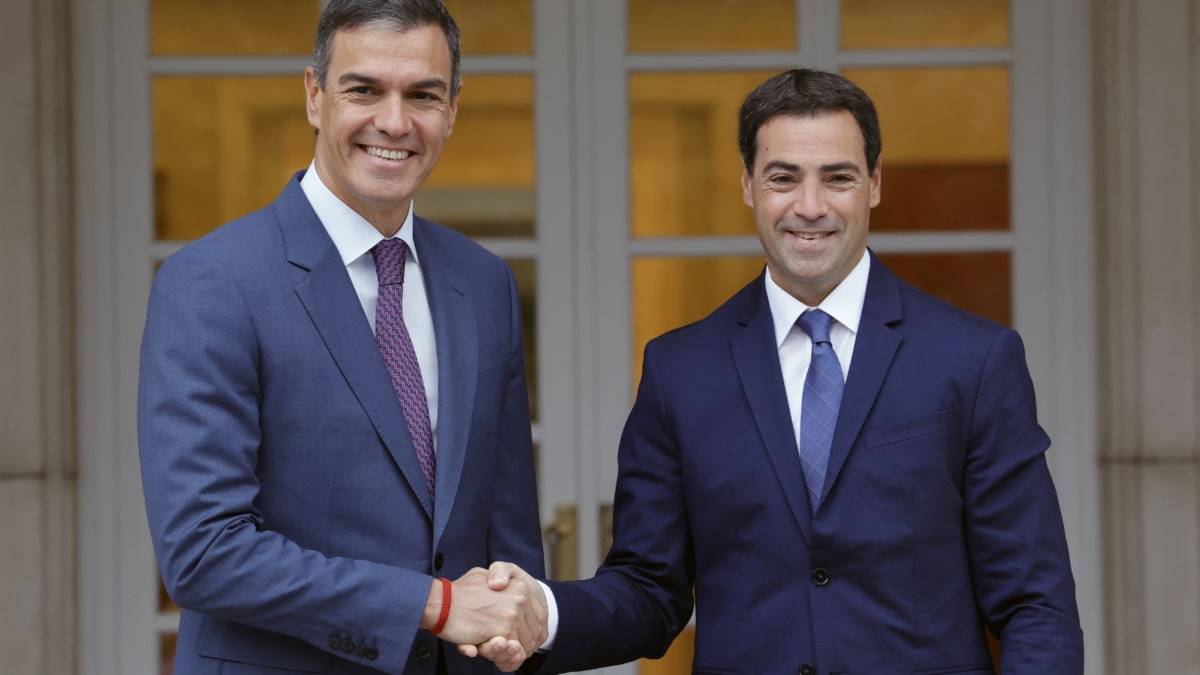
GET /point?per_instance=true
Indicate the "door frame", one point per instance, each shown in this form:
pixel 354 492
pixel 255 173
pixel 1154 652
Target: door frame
pixel 581 104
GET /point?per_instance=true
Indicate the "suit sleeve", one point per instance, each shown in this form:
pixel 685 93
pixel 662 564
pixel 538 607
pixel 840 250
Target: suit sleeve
pixel 641 597
pixel 1017 546
pixel 514 534
pixel 199 436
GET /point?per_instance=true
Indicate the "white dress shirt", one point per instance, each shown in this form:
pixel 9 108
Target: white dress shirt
pixel 844 304
pixel 354 238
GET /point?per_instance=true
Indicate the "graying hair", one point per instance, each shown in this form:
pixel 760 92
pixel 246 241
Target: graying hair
pixel 399 15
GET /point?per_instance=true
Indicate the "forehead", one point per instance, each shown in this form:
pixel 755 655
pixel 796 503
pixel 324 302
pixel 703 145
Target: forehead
pixel 816 139
pixel 387 48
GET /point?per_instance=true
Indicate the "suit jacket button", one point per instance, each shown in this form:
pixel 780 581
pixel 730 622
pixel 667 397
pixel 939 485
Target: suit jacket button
pixel 361 651
pixel 348 646
pixel 820 576
pixel 372 654
pixel 438 561
pixel 807 669
pixel 335 642
pixel 424 651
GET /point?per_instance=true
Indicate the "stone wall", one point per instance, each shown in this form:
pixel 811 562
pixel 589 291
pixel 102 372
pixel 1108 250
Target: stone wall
pixel 37 412
pixel 1148 169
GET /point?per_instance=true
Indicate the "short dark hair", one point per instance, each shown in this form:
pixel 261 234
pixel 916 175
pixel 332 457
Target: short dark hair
pixel 399 15
pixel 804 92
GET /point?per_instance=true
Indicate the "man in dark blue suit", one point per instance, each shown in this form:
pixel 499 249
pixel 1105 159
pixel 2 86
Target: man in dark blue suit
pixel 333 417
pixel 866 496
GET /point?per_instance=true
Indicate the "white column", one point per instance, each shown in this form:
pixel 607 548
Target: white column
pixel 1148 159
pixel 37 483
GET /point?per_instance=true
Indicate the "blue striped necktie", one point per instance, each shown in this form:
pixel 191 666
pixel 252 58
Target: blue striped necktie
pixel 819 408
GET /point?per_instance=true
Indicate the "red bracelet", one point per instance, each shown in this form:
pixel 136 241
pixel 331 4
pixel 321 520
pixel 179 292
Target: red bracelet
pixel 445 614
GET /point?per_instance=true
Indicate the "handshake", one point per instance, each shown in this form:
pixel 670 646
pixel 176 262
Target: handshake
pixel 499 613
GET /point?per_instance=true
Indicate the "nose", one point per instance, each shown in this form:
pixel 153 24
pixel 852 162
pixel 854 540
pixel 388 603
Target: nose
pixel 392 118
pixel 810 203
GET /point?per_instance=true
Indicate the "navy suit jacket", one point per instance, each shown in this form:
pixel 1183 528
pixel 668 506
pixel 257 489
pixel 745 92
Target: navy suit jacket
pixel 288 511
pixel 938 515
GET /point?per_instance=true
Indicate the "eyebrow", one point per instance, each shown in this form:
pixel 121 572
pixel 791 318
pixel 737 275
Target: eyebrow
pixel 428 83
pixel 825 168
pixel 357 77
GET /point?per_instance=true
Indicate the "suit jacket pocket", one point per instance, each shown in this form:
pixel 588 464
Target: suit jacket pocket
pixel 907 430
pixel 493 356
pixel 231 641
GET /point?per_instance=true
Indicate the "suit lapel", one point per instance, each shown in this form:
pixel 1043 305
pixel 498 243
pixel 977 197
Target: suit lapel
pixel 458 363
pixel 332 305
pixel 757 359
pixel 874 348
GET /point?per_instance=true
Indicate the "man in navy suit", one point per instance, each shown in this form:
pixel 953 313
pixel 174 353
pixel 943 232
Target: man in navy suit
pixel 300 519
pixel 926 519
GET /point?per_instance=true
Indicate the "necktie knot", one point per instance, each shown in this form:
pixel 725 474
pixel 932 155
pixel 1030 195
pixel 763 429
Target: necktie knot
pixel 815 323
pixel 389 257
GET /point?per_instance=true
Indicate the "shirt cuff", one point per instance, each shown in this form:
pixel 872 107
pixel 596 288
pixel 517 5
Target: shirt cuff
pixel 551 618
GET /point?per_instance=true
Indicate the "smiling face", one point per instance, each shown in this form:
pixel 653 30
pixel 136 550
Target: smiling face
pixel 382 118
pixel 812 199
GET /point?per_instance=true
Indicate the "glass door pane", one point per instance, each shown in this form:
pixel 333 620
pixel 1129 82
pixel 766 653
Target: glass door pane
pixel 494 26
pixel 711 25
pixel 684 170
pixel 223 146
pixel 229 27
pixel 922 24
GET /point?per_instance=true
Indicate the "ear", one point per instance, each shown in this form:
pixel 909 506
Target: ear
pixel 877 183
pixel 312 95
pixel 747 189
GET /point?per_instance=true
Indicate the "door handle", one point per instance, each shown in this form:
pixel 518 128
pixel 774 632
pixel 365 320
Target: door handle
pixel 562 534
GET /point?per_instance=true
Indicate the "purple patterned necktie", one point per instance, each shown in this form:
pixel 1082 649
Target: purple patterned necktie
pixel 397 349
pixel 819 408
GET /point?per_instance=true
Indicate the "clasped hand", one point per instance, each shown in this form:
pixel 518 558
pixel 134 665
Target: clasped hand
pixel 499 613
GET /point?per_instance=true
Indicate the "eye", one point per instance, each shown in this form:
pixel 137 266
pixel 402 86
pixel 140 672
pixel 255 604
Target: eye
pixel 781 179
pixel 426 98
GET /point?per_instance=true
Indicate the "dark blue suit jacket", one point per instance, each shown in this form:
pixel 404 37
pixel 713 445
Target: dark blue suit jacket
pixel 287 508
pixel 938 515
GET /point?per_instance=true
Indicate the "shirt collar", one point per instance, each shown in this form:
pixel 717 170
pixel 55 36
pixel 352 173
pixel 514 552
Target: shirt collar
pixel 352 235
pixel 844 303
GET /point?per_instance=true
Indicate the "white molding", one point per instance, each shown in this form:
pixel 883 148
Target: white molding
pixel 605 147
pixel 558 341
pixel 290 65
pixel 1073 369
pixel 1053 270
pixel 95 258
pixel 117 594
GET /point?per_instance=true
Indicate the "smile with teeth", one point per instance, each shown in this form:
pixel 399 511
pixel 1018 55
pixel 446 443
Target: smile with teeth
pixel 385 153
pixel 812 235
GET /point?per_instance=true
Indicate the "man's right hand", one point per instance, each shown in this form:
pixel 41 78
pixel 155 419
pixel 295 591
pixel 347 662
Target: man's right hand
pixel 502 615
pixel 506 654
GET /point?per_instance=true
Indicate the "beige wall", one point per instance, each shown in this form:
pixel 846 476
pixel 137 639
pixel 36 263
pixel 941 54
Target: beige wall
pixel 37 484
pixel 1148 157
